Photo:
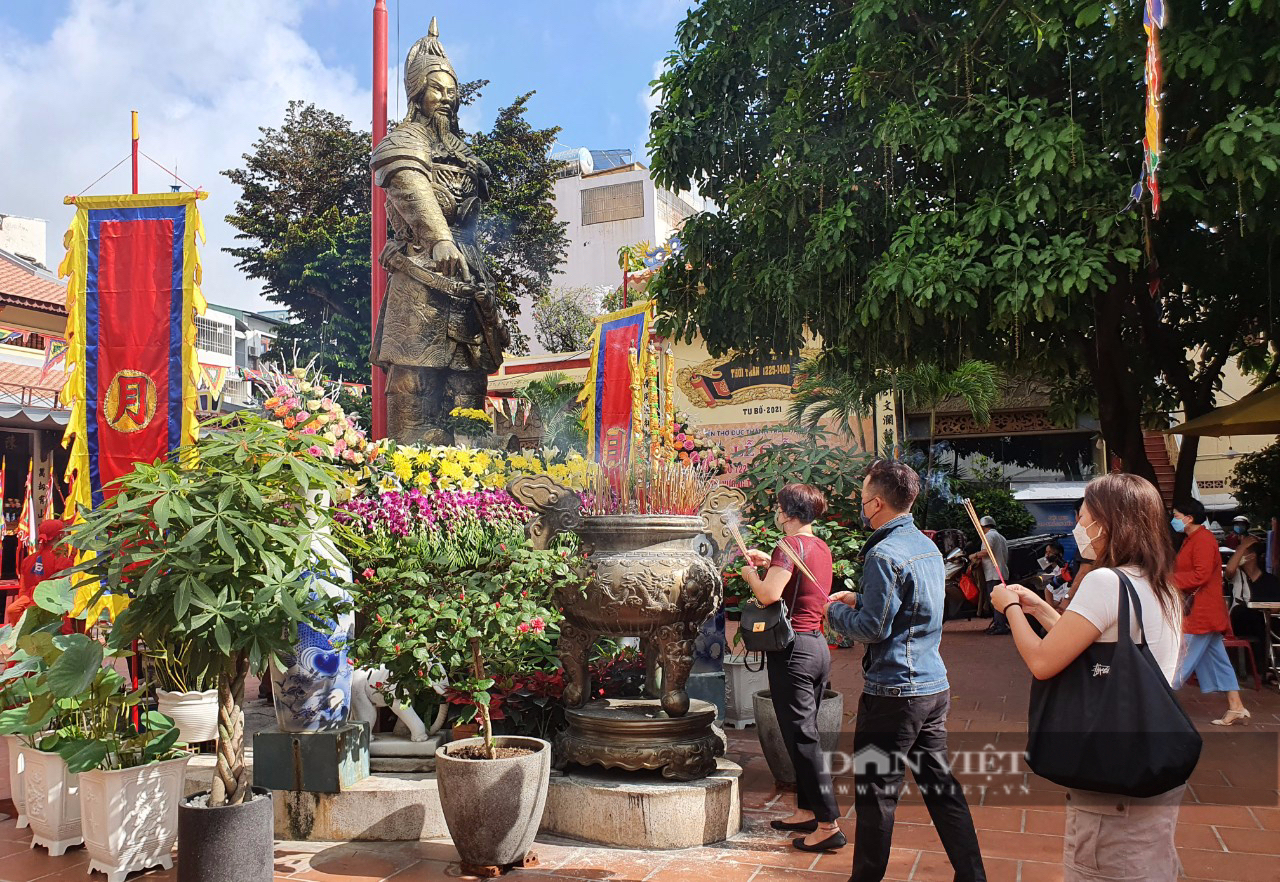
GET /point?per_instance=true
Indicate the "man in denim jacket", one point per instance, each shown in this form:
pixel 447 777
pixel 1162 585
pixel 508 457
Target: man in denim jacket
pixel 903 710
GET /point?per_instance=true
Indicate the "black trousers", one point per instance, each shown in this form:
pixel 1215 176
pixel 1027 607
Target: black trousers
pixel 798 676
pixel 998 618
pixel 892 732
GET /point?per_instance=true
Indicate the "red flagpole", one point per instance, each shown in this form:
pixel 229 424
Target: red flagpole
pixel 378 278
pixel 135 150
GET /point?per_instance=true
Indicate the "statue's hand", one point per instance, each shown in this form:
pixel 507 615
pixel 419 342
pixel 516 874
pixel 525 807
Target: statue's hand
pixel 449 260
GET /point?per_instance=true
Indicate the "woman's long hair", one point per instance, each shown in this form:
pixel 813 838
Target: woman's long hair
pixel 1131 514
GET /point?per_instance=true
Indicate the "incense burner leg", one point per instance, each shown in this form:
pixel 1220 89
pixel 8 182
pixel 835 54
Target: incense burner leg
pixel 675 642
pixel 652 666
pixel 575 649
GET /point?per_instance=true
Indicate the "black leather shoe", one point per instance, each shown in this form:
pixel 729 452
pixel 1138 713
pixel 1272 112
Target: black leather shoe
pixel 999 630
pixel 832 843
pixel 801 827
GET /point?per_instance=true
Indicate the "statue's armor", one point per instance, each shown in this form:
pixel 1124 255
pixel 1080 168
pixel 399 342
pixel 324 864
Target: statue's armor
pixel 420 325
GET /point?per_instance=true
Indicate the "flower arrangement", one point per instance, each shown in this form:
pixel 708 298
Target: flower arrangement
pixel 304 400
pixel 470 421
pixel 456 468
pixel 694 448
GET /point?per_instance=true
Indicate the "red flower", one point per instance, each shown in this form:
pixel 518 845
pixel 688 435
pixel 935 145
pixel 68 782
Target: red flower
pixel 368 573
pixel 378 617
pixel 523 627
pixel 538 624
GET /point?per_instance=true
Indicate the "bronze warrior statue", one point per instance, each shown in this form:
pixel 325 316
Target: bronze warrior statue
pixel 439 334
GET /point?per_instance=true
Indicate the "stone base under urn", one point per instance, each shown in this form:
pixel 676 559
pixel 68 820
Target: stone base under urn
pixel 634 734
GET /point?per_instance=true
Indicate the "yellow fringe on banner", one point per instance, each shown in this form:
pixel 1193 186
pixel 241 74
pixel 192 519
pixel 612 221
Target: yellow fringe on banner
pixel 91 601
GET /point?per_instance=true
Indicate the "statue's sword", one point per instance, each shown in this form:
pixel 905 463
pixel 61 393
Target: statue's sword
pixel 400 262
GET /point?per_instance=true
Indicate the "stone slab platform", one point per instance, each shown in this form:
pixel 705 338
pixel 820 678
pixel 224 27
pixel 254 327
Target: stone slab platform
pixel 645 810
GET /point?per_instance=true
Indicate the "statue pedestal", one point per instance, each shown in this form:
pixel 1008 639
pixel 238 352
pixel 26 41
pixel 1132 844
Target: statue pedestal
pixel 643 809
pixel 329 761
pixel 396 753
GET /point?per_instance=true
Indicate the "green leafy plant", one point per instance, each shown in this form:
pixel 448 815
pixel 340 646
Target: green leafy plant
pixel 172 669
pixel 214 546
pixel 491 619
pixel 1256 478
pixel 64 699
pixel 835 469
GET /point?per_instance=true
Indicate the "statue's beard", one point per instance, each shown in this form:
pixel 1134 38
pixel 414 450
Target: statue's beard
pixel 441 125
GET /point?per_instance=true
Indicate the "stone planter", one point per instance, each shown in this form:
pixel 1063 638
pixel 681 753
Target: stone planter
pixel 130 816
pixel 196 713
pixel 493 807
pixel 230 843
pixel 740 687
pixel 16 788
pixel 830 718
pixel 53 801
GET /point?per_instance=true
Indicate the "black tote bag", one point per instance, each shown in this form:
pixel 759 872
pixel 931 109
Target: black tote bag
pixel 1110 722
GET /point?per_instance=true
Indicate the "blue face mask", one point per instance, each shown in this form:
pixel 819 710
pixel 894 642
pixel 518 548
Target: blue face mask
pixel 1240 529
pixel 1178 525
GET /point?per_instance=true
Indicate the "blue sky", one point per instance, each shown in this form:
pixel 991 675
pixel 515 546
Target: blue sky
pixel 204 75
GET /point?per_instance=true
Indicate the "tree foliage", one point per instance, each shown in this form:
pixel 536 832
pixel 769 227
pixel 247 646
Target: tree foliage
pixel 1257 483
pixel 563 319
pixel 303 221
pixel 915 180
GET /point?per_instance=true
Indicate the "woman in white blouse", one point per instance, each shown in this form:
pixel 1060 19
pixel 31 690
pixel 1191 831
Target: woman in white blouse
pixel 1122 525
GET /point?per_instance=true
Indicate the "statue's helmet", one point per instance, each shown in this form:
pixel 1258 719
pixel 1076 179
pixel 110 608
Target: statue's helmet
pixel 425 58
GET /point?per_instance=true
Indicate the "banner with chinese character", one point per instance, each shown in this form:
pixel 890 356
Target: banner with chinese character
pixel 607 392
pixel 133 292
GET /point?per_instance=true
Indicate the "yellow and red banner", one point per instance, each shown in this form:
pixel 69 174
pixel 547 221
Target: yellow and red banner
pixel 133 292
pixel 607 392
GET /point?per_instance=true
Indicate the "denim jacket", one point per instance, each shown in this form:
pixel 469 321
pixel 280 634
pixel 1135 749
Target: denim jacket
pixel 899 613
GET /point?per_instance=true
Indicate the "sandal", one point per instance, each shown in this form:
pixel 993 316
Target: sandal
pixel 1231 717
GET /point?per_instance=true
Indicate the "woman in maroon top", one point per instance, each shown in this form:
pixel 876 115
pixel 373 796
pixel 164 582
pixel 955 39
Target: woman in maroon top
pixel 798 675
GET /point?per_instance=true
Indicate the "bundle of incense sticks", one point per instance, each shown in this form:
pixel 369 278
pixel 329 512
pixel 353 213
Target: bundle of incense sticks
pixel 646 487
pixel 796 561
pixel 737 538
pixel 982 534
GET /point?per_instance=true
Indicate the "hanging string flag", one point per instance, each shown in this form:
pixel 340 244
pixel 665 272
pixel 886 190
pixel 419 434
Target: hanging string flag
pixel 55 356
pixel 213 378
pixel 1154 17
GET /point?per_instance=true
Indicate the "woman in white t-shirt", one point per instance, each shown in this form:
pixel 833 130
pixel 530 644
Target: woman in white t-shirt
pixel 1122 525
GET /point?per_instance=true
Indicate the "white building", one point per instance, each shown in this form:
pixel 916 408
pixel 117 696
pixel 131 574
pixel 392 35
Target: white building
pixel 607 208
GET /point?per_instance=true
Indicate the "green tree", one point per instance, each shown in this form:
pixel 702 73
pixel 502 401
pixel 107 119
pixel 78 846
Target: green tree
pixel 518 228
pixel 926 386
pixel 916 181
pixel 1257 483
pixel 303 218
pixel 562 319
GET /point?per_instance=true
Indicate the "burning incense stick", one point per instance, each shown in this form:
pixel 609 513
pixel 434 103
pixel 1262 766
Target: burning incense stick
pixel 982 534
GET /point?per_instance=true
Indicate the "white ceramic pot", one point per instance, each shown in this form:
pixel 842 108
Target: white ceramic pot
pixel 740 685
pixel 196 713
pixel 53 801
pixel 131 816
pixel 16 764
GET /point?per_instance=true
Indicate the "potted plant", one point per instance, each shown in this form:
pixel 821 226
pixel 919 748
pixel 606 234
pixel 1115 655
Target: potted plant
pixel 214 548
pixel 492 788
pixel 185 694
pixel 469 424
pixel 16 683
pixel 101 771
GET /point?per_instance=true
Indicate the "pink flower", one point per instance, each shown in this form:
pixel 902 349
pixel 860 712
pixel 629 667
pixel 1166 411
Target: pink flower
pixel 368 573
pixel 688 444
pixel 315 450
pixel 523 627
pixel 538 625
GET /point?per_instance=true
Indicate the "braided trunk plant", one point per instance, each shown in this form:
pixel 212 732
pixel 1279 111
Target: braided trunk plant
pixel 214 547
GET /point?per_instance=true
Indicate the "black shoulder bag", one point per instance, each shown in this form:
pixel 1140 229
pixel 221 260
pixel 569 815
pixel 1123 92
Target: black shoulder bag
pixel 1110 722
pixel 766 628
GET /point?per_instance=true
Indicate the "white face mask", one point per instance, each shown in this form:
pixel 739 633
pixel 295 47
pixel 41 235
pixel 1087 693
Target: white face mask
pixel 1044 563
pixel 1083 542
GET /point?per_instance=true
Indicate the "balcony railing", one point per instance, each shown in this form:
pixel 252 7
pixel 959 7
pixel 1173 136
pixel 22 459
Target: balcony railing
pixel 31 396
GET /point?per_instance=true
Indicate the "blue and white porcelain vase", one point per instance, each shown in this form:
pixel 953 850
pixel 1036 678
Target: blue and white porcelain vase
pixel 313 691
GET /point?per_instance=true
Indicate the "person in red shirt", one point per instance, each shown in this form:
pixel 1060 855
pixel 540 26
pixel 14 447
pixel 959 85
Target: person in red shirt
pixel 1198 574
pixel 46 562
